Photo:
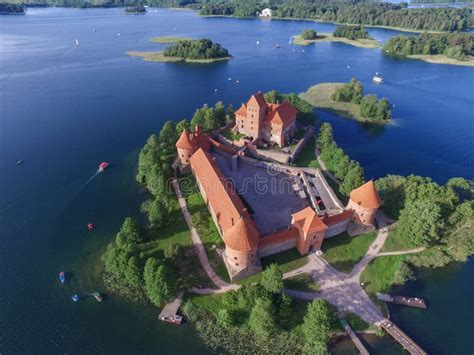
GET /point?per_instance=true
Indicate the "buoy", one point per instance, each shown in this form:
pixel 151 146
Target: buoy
pixel 19 162
pixel 215 90
pixel 237 81
pixel 90 226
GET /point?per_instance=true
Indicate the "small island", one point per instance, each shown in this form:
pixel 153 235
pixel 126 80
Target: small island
pixel 12 9
pixel 190 51
pixel 452 48
pixel 137 9
pixel 347 101
pixel 354 35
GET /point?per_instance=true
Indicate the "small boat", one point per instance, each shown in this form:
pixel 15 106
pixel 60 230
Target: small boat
pixel 215 90
pixel 377 78
pixel 102 166
pixel 62 277
pixel 90 226
pixel 277 46
pixel 77 43
pixel 291 38
pixel 19 162
pixel 237 81
pixel 98 296
pixel 118 34
pixel 76 298
pixel 258 42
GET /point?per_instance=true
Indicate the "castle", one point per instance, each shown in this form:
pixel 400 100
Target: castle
pixel 244 243
pixel 258 119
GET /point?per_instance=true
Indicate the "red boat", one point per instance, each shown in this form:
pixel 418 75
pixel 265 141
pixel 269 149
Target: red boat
pixel 90 226
pixel 102 166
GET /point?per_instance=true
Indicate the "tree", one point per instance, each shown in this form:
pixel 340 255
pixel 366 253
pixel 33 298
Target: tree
pixel 132 273
pixel 171 250
pixel 129 233
pixel 157 283
pixel 309 34
pixel 420 223
pixel 272 279
pixel 168 133
pixel 181 126
pixel 224 318
pixel 158 213
pixel 316 326
pixel 156 181
pixel 368 106
pixel 353 179
pixel 261 320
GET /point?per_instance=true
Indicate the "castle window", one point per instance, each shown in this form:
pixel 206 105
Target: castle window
pixel 182 155
pixel 242 126
pixel 235 258
pixel 236 264
pixel 251 128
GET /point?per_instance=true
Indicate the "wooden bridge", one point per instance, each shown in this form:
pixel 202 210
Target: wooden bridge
pixel 404 340
pixel 355 339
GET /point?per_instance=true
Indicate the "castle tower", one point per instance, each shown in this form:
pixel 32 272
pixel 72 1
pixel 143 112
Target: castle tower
pixel 311 230
pixel 364 202
pixel 241 243
pixel 185 147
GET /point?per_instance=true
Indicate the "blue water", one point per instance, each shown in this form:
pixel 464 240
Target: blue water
pixel 64 109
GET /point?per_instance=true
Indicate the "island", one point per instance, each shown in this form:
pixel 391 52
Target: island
pixel 137 9
pixel 190 51
pixel 354 35
pixel 347 100
pixel 452 48
pixel 12 9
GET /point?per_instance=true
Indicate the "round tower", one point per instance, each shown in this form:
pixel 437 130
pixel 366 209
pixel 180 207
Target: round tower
pixel 185 147
pixel 241 243
pixel 364 202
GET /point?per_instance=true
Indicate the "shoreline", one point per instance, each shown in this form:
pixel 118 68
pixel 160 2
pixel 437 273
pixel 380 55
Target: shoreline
pixel 169 39
pixel 328 37
pixel 158 57
pixel 319 96
pixel 442 59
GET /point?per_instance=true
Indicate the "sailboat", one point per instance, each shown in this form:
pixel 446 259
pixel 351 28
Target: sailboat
pixel 291 38
pixel 77 43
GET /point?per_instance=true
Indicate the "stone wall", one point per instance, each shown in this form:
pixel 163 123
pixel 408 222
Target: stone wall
pixel 337 228
pixel 277 247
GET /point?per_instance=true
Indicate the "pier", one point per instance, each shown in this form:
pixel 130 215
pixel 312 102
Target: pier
pixel 355 339
pixel 404 340
pixel 402 300
pixel 169 313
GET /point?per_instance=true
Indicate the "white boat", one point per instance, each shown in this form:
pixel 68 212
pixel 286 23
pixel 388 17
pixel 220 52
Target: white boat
pixel 258 42
pixel 377 79
pixel 77 42
pixel 291 38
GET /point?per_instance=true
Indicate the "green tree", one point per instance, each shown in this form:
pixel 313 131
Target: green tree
pixel 420 223
pixel 316 326
pixel 168 133
pixel 368 106
pixel 133 273
pixel 272 279
pixel 158 215
pixel 309 34
pixel 353 179
pixel 224 318
pixel 171 250
pixel 129 233
pixel 261 318
pixel 157 282
pixel 181 126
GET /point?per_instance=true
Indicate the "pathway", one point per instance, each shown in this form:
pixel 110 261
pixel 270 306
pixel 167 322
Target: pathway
pixel 201 251
pixel 402 252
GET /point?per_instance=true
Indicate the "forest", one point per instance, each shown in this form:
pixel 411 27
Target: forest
pixel 196 49
pixel 441 1
pixel 11 8
pixel 351 32
pixel 453 45
pixel 374 14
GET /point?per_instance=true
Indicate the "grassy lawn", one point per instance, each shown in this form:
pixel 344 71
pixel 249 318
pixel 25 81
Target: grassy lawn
pixel 393 243
pixel 287 261
pixel 356 323
pixel 204 224
pixel 306 157
pixel 343 251
pixel 301 282
pixel 328 37
pixel 379 275
pixel 232 136
pixel 168 39
pixel 335 187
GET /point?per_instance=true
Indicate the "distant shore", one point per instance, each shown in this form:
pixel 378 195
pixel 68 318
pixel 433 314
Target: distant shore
pixel 158 57
pixel 320 96
pixel 442 59
pixel 328 37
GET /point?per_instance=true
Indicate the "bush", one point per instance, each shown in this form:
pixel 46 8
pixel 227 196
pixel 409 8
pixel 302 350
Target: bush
pixel 196 49
pixel 309 34
pixel 351 32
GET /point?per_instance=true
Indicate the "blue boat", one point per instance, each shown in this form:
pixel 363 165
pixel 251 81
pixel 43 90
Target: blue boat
pixel 62 277
pixel 76 298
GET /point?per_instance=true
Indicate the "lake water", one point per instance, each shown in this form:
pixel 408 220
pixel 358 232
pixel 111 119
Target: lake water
pixel 64 109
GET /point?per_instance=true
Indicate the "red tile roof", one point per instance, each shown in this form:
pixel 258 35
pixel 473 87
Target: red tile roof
pixel 242 111
pixel 366 196
pixel 240 231
pixel 309 221
pixel 184 141
pixel 259 99
pixel 283 114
